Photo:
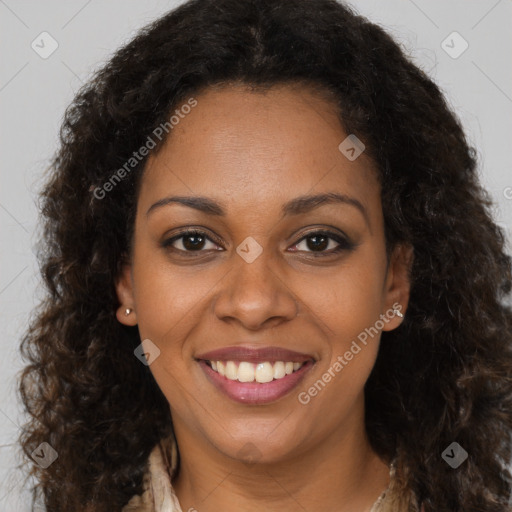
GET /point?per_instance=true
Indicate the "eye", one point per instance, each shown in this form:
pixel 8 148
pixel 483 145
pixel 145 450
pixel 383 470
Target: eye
pixel 317 242
pixel 191 240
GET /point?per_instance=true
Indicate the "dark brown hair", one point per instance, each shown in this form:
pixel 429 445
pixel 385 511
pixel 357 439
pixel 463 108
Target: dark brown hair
pixel 444 375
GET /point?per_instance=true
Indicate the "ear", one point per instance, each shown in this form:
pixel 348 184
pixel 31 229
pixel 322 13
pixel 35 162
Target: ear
pixel 126 313
pixel 398 285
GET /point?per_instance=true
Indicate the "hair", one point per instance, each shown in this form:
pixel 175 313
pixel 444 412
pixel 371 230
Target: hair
pixel 444 375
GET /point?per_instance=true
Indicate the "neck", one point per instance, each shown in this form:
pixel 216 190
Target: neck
pixel 341 473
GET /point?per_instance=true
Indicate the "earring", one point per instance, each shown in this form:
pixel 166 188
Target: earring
pixel 397 312
pixel 127 311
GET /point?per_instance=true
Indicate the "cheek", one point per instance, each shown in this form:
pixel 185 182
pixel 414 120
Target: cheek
pixel 346 299
pixel 169 298
pixel 170 304
pixel 349 304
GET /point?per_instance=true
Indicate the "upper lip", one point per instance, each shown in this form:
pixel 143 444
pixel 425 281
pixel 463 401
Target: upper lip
pixel 255 355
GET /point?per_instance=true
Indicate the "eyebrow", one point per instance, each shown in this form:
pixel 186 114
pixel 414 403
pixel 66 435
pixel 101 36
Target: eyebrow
pixel 297 206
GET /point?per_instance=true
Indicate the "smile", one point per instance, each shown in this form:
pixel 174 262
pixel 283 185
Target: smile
pixel 255 375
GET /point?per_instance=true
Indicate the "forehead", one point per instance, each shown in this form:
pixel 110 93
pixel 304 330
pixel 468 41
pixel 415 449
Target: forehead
pixel 253 148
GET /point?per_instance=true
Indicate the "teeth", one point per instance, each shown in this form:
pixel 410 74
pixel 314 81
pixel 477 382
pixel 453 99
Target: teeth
pixel 249 372
pixel 264 372
pixel 279 372
pixel 231 370
pixel 245 372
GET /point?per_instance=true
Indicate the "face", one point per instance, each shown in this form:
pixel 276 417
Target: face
pixel 268 275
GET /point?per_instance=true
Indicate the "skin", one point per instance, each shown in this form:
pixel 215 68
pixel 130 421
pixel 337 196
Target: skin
pixel 252 152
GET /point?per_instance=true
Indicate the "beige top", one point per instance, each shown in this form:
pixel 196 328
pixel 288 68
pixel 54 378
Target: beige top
pixel 158 494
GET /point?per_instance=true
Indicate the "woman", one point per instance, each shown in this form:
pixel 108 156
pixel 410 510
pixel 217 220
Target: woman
pixel 273 279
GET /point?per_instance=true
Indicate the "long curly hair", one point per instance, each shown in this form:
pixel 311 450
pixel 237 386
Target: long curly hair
pixel 444 375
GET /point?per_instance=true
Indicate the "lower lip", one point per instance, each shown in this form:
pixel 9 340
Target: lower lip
pixel 255 392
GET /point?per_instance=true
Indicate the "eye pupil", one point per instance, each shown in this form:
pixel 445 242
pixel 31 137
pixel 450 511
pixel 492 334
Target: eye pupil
pixel 318 245
pixel 199 239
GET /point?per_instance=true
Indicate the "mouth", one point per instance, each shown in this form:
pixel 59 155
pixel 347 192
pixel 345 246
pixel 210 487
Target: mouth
pixel 255 376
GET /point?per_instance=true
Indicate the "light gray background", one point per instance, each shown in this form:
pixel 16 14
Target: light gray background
pixel 34 93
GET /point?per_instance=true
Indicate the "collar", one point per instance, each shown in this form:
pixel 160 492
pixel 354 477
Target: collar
pixel 158 494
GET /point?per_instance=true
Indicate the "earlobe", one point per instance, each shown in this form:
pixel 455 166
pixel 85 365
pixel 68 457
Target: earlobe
pixel 125 313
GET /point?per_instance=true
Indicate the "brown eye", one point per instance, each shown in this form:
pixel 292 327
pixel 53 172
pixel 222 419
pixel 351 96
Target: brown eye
pixel 323 242
pixel 189 241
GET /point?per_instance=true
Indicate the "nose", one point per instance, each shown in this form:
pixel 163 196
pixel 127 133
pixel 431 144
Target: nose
pixel 255 295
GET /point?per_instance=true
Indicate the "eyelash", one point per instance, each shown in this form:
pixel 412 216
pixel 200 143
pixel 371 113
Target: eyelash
pixel 344 244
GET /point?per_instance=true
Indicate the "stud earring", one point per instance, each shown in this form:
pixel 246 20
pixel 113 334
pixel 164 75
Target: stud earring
pixel 127 311
pixel 397 312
